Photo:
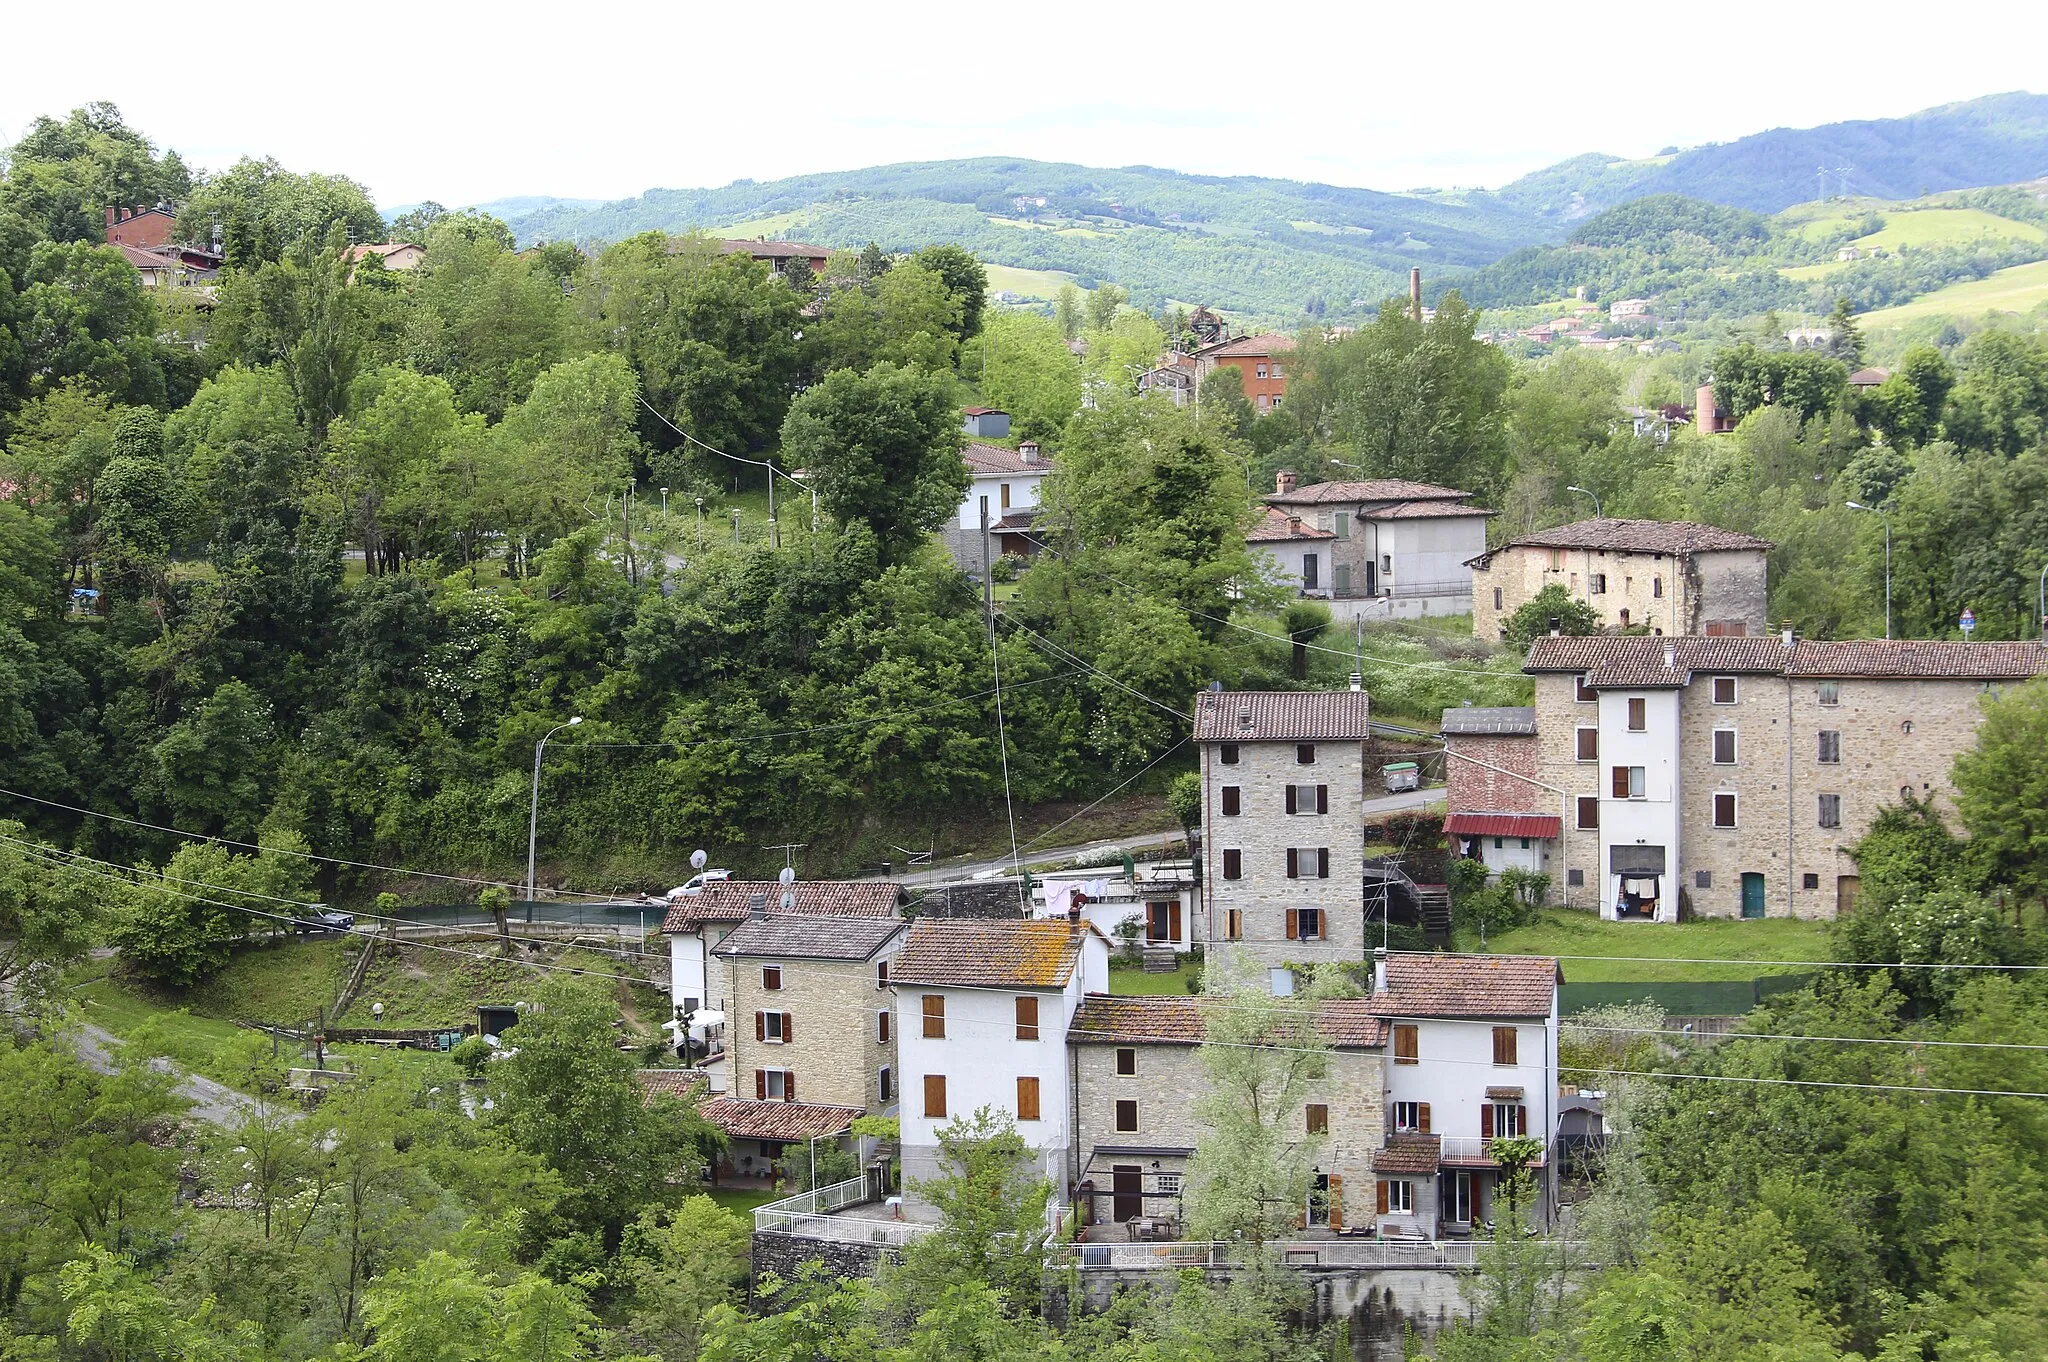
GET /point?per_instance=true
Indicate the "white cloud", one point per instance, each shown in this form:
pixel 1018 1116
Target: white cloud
pixel 603 100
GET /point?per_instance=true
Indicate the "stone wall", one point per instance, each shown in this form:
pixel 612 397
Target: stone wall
pixel 782 1255
pixel 835 1054
pixel 1671 594
pixel 985 900
pixel 1264 831
pixel 1731 593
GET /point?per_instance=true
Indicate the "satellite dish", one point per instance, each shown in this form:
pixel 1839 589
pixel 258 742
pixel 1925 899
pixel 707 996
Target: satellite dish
pixel 788 876
pixel 788 901
pixel 697 859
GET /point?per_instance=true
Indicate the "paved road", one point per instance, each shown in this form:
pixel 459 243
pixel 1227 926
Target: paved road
pixel 212 1102
pixel 954 870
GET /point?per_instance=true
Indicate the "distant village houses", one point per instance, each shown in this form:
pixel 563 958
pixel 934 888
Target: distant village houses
pixel 1671 577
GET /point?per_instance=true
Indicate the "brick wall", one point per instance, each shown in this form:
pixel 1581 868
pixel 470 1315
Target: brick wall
pixel 1264 831
pixel 1472 786
pixel 835 1054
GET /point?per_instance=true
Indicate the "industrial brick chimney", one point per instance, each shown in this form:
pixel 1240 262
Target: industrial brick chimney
pixel 1415 292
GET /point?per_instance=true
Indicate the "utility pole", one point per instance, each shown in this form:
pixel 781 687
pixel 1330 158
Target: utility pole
pixel 988 592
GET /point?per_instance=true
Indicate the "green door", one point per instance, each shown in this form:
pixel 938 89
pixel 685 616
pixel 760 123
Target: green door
pixel 1752 894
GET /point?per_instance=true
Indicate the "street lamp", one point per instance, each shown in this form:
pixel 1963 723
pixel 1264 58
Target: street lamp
pixel 1859 506
pixel 700 524
pixel 533 810
pixel 1597 513
pixel 664 501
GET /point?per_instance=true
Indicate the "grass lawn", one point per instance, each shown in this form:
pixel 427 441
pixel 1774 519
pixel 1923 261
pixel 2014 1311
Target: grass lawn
pixel 2017 289
pixel 741 1201
pixel 1948 227
pixel 1028 283
pixel 1135 982
pixel 1661 952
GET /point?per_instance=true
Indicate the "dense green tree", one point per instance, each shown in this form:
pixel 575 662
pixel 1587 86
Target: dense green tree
pixel 179 924
pixel 1534 617
pixel 965 279
pixel 884 449
pixel 990 1195
pixel 82 313
pixel 264 212
pixel 485 319
pixel 1026 369
pixel 64 173
pixel 1103 303
pixel 2000 401
pixel 2002 788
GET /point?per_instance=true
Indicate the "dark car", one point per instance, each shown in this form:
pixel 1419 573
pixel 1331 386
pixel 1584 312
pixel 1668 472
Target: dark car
pixel 324 920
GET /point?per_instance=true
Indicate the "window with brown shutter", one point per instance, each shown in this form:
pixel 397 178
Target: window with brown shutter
pixel 1126 1062
pixel 1322 799
pixel 1724 690
pixel 1233 924
pixel 1305 754
pixel 1226 753
pixel 1589 811
pixel 1233 864
pixel 1293 922
pixel 1486 1120
pixel 1830 746
pixel 934 1095
pixel 1027 1018
pixel 1383 1196
pixel 1589 744
pixel 1309 923
pixel 761 1026
pixel 1231 804
pixel 1322 863
pixel 1293 864
pixel 1504 1045
pixel 1724 810
pixel 1621 782
pixel 1583 692
pixel 771 977
pixel 1317 1117
pixel 788 1027
pixel 882 1027
pixel 1127 1116
pixel 881 974
pixel 1638 714
pixel 1405 1044
pixel 1027 1099
pixel 934 1016
pixel 789 1085
pixel 1422 1117
pixel 761 1085
pixel 1724 747
pixel 1291 798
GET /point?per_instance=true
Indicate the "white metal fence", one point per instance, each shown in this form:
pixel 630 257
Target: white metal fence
pixel 1350 1253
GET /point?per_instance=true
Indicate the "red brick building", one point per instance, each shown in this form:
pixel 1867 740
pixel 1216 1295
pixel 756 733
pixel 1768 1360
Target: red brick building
pixel 145 227
pixel 1499 812
pixel 1261 359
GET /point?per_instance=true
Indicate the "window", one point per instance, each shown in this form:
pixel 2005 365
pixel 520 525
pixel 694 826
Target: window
pixel 1261 369
pixel 1631 782
pixel 1504 1044
pixel 1227 753
pixel 1624 617
pixel 1274 401
pixel 1309 578
pixel 1724 810
pixel 885 1084
pixel 1233 924
pixel 1906 727
pixel 1638 714
pixel 774 1085
pixel 1411 1116
pixel 1831 811
pixel 1304 924
pixel 1027 1099
pixel 1589 811
pixel 1397 1198
pixel 1305 754
pixel 934 1016
pixel 1557 560
pixel 1340 524
pixel 1596 584
pixel 1830 746
pixel 1308 863
pixel 1233 864
pixel 1168 1184
pixel 935 1096
pixel 1809 881
pixel 1405 1043
pixel 1027 1017
pixel 1583 692
pixel 1831 692
pixel 1126 1063
pixel 1308 799
pixel 1575 878
pixel 1503 1120
pixel 1279 371
pixel 1127 1115
pixel 882 1023
pixel 1340 578
pixel 1703 879
pixel 1589 744
pixel 1724 690
pixel 1316 1115
pixel 881 974
pixel 773 1028
pixel 1724 747
pixel 771 978
pixel 1386 565
pixel 1657 588
pixel 1496 598
pixel 1005 489
pixel 1232 801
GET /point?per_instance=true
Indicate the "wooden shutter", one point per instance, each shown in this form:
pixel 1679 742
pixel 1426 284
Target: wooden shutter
pixel 934 1095
pixel 789 1085
pixel 882 1027
pixel 1422 1117
pixel 1504 1045
pixel 1290 800
pixel 1231 807
pixel 761 1026
pixel 1293 864
pixel 1322 799
pixel 1486 1120
pixel 1173 919
pixel 1621 782
pixel 1521 1119
pixel 788 1027
pixel 1293 918
pixel 1316 1118
pixel 1383 1196
pixel 934 1016
pixel 761 1084
pixel 1336 1202
pixel 1027 1017
pixel 1027 1099
pixel 1322 863
pixel 1406 1048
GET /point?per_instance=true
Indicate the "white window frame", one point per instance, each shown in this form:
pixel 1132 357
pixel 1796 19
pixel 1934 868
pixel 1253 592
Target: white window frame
pixel 1400 1196
pixel 1715 810
pixel 1594 729
pixel 776 1079
pixel 1412 1111
pixel 1734 748
pixel 771 1026
pixel 1166 1184
pixel 1734 690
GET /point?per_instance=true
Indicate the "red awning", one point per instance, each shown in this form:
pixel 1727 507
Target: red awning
pixel 1503 825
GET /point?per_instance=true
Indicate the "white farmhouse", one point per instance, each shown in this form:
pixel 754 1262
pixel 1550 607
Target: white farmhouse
pixel 1004 484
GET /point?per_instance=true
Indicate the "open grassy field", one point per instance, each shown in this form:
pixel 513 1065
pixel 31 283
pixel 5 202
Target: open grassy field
pixel 2018 289
pixel 1025 283
pixel 1948 227
pixel 1644 952
pixel 772 226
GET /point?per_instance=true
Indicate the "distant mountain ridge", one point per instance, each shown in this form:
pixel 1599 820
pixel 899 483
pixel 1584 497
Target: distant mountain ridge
pixel 1999 139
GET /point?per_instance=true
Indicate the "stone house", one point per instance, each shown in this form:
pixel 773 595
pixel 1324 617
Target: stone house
pixel 1283 814
pixel 1670 577
pixel 983 1010
pixel 1730 776
pixel 812 1028
pixel 1397 549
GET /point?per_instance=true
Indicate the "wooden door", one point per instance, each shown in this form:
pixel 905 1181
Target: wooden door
pixel 1847 887
pixel 1127 1188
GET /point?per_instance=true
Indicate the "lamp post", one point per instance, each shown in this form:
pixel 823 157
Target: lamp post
pixel 2041 612
pixel 533 810
pixel 664 501
pixel 1598 514
pixel 700 524
pixel 1887 517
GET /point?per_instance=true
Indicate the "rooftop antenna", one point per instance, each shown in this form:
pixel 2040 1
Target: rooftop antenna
pixel 788 850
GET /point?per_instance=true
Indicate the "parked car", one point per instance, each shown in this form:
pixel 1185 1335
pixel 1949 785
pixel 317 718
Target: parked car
pixel 695 884
pixel 322 920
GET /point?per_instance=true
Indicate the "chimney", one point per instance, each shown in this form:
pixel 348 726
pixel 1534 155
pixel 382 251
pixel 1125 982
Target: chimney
pixel 757 905
pixel 1670 657
pixel 1788 635
pixel 1415 292
pixel 1379 970
pixel 1244 717
pixel 1028 451
pixel 110 215
pixel 1358 682
pixel 1294 524
pixel 1073 918
pixel 1703 412
pixel 1283 482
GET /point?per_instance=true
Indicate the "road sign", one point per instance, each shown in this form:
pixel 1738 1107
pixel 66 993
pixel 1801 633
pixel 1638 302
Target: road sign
pixel 1969 621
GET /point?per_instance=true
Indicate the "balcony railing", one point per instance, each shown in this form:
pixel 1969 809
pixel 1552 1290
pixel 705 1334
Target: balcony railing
pixel 1333 1252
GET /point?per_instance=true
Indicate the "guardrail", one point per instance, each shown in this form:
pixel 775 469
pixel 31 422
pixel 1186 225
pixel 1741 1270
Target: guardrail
pixel 839 1229
pixel 819 1201
pixel 1337 1252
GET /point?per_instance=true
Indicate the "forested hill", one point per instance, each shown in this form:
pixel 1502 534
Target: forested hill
pixel 1276 248
pixel 1999 139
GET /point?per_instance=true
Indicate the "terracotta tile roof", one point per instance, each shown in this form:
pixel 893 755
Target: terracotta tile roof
pixel 1276 526
pixel 1426 984
pixel 1249 347
pixel 1016 520
pixel 668 1082
pixel 979 953
pixel 729 901
pixel 1613 659
pixel 1409 1154
pixel 745 1118
pixel 1876 658
pixel 1637 536
pixel 983 458
pixel 1169 1019
pixel 1489 720
pixel 1282 716
pixel 1868 378
pixel 790 936
pixel 1439 509
pixel 1369 489
pixel 1504 1094
pixel 1484 824
pixel 381 249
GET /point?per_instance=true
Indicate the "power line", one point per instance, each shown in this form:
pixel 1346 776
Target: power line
pixel 1062 654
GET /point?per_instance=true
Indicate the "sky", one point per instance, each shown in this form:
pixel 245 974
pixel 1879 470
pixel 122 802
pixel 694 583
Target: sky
pixel 466 103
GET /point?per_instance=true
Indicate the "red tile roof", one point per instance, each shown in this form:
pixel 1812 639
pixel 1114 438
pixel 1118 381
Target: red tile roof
pixel 381 249
pixel 972 953
pixel 1426 984
pixel 774 250
pixel 1878 658
pixel 790 936
pixel 1276 526
pixel 1369 489
pixel 995 459
pixel 1440 509
pixel 1637 536
pixel 1641 662
pixel 1251 347
pixel 1503 824
pixel 748 1119
pixel 668 1082
pixel 983 411
pixel 1405 1153
pixel 1168 1019
pixel 1282 716
pixel 731 900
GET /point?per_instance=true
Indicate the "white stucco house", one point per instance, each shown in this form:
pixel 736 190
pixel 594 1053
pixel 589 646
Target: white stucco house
pixel 1390 548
